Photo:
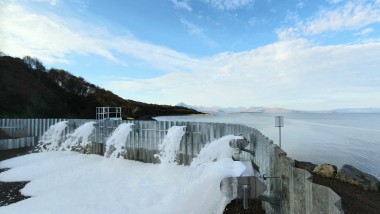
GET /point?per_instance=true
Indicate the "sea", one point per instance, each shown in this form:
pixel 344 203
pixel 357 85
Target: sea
pixel 335 138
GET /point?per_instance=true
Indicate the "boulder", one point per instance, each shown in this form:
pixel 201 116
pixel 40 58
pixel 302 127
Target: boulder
pixel 354 176
pixel 325 170
pixel 305 165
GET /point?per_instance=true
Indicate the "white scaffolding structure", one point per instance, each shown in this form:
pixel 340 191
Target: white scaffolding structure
pixel 108 113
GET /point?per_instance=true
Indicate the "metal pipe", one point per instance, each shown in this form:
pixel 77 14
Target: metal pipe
pixel 279 128
pixel 246 190
pixel 249 151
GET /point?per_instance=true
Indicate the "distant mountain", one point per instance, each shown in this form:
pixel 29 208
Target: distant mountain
pixel 28 90
pixel 270 110
pixel 357 110
pixel 216 109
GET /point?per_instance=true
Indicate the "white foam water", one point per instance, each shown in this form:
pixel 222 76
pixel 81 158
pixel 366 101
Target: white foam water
pixel 213 163
pixel 126 186
pixel 115 144
pixel 52 138
pixel 79 139
pixel 215 151
pixel 170 145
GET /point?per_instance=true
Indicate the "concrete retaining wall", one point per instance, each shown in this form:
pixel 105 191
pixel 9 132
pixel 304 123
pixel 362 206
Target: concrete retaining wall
pixel 292 191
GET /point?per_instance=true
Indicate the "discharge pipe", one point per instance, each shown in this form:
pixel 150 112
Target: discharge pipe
pixel 246 190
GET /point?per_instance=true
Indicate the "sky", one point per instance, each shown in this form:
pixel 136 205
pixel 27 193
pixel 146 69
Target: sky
pixel 297 54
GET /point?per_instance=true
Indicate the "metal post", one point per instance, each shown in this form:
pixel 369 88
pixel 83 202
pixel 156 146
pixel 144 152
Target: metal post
pixel 279 122
pixel 246 190
pixel 279 128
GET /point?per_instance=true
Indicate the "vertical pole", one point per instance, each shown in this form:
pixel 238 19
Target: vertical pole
pixel 279 122
pixel 246 190
pixel 279 128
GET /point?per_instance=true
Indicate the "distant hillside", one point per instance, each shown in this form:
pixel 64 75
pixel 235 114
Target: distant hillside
pixel 216 109
pixel 28 90
pixel 357 110
pixel 271 110
pixel 213 109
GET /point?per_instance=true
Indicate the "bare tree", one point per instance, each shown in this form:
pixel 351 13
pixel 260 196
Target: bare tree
pixel 34 63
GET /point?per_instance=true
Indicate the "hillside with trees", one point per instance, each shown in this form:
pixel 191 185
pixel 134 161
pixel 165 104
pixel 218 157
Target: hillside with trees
pixel 29 90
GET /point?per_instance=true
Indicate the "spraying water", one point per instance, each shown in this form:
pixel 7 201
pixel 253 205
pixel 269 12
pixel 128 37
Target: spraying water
pixel 171 189
pixel 170 146
pixel 115 144
pixel 79 140
pixel 52 138
pixel 215 151
pixel 213 163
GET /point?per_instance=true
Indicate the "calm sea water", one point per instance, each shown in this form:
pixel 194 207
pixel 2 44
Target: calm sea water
pixel 319 138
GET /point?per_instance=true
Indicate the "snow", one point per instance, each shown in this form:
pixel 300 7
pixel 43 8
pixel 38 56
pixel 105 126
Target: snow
pixel 69 182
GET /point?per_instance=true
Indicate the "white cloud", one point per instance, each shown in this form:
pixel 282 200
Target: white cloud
pixel 182 5
pixel 300 4
pixel 333 1
pixel 283 74
pixel 364 32
pixel 228 4
pixel 287 34
pixel 286 73
pixel 192 28
pixel 291 17
pixel 51 2
pixel 53 39
pixel 352 16
pixel 198 33
pixel 254 21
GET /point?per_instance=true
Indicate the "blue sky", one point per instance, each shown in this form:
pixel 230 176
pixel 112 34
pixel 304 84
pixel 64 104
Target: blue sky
pixel 299 54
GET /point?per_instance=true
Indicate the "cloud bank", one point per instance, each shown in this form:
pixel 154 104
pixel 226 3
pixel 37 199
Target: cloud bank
pixel 290 72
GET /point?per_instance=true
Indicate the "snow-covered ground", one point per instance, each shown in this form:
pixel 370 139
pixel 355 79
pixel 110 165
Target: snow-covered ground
pixel 69 182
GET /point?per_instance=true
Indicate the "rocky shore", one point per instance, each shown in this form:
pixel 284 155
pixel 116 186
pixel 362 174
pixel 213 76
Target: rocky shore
pixel 347 173
pixel 359 191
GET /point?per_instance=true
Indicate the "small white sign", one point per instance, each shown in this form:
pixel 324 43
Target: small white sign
pixel 279 121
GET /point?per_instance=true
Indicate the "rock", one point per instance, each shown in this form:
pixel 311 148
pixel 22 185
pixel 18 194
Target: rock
pixel 354 176
pixel 305 165
pixel 325 170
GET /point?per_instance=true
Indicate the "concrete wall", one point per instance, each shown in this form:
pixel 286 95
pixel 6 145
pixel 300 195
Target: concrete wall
pixel 292 191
